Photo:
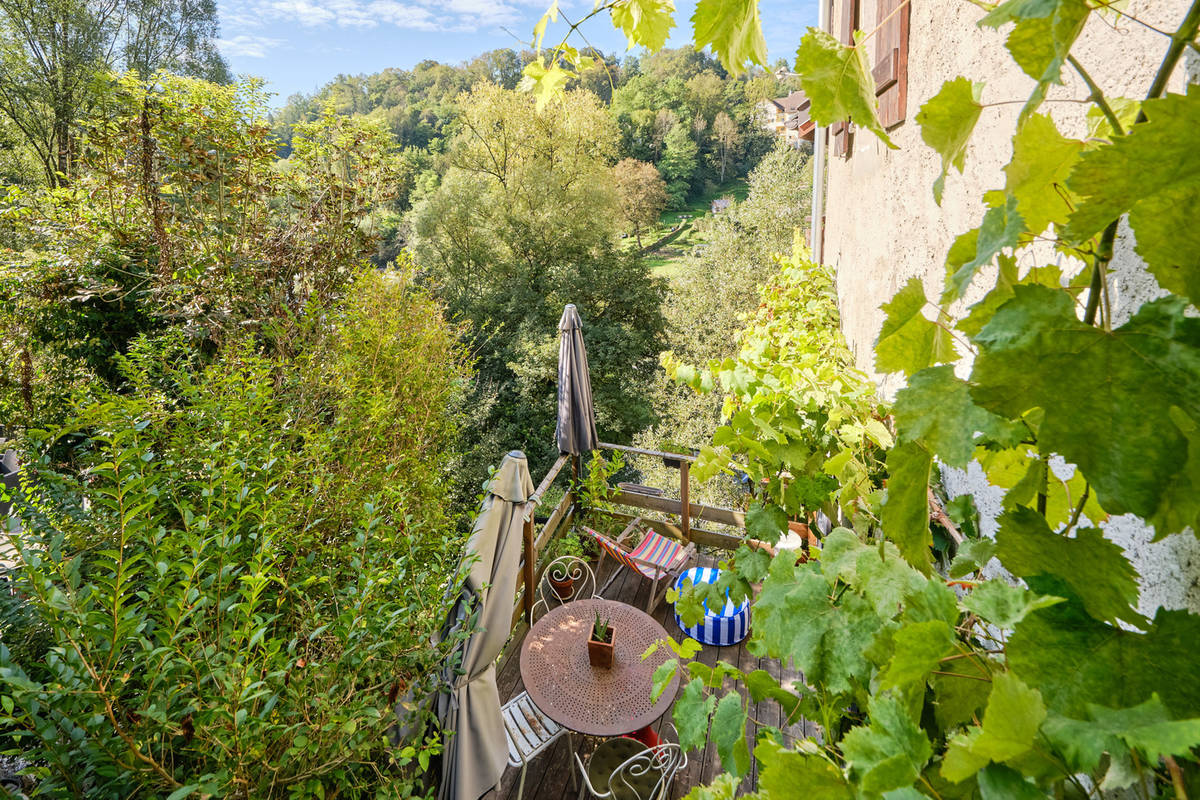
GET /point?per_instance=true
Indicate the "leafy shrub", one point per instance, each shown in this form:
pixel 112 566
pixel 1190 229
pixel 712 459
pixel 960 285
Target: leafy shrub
pixel 247 569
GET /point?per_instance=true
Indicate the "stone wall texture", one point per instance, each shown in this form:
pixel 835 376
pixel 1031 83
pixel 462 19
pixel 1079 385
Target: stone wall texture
pixel 883 226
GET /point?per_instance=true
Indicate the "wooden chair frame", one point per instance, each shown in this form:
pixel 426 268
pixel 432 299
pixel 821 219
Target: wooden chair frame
pixel 656 595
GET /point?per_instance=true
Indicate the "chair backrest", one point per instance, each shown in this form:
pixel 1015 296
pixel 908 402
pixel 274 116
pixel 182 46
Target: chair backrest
pixel 551 591
pixel 648 775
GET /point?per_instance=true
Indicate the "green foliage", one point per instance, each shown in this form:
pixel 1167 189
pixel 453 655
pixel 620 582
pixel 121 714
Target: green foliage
pixel 178 215
pixel 795 403
pixel 979 687
pixel 947 120
pixel 838 81
pixel 1140 174
pixel 524 223
pixel 734 30
pixel 258 571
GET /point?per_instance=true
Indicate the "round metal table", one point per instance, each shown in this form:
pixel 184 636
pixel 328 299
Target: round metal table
pixel 587 699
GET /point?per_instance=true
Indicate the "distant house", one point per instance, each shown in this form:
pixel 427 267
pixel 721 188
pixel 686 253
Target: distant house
pixel 721 203
pixel 787 118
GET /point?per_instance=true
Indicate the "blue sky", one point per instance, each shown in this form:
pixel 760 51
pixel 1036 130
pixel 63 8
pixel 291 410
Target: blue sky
pixel 299 45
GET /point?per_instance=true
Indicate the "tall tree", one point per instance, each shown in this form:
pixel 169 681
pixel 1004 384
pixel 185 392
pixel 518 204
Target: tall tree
pixel 678 163
pixel 641 192
pixel 726 131
pixel 51 50
pixel 523 223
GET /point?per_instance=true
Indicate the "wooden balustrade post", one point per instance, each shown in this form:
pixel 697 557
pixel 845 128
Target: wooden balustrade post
pixel 685 503
pixel 530 565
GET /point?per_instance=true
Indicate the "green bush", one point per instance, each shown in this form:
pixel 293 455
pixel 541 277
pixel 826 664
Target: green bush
pixel 247 568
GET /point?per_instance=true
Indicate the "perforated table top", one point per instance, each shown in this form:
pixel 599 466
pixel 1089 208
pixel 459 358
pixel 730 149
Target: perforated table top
pixel 593 700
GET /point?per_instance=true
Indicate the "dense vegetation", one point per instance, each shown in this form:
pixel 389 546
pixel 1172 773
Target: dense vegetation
pixel 1044 675
pixel 239 440
pixel 258 366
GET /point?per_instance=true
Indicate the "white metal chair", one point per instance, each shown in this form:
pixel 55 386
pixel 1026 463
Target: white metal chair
pixel 529 733
pixel 565 568
pixel 625 769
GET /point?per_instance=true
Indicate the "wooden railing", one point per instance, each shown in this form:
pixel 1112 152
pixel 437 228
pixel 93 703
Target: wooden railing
pixel 536 541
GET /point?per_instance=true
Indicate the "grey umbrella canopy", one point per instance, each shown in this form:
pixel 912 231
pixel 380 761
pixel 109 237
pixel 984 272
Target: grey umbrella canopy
pixel 475 753
pixel 576 431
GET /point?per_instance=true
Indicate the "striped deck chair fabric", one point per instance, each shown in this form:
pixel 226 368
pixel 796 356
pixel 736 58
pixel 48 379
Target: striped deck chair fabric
pixel 655 558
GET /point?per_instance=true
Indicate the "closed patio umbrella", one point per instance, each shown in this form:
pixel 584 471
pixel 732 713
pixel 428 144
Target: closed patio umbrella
pixel 576 431
pixel 475 751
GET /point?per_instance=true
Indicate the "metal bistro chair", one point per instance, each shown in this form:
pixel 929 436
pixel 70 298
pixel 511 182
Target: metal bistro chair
pixel 530 732
pixel 565 568
pixel 625 769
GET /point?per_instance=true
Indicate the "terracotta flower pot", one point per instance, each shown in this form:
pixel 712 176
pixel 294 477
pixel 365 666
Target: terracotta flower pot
pixel 600 654
pixel 564 588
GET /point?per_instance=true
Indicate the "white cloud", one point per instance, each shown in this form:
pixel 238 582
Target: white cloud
pixel 421 15
pixel 248 46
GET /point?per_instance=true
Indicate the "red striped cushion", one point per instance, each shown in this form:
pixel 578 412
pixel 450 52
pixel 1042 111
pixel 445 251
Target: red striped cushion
pixel 658 550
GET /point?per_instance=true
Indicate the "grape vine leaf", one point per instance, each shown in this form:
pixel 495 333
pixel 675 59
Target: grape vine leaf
pixel 1037 174
pixel 905 514
pixel 890 752
pixel 839 555
pixel 691 713
pixel 828 648
pixel 1076 660
pixel 545 83
pixel 1153 174
pixel 1147 728
pixel 1001 228
pixel 723 787
pixel 908 341
pixel 1004 605
pixel 959 696
pixel 947 120
pixel 1051 276
pixel 934 600
pixel 998 782
pixel 837 79
pixel 1095 569
pixel 917 649
pixel 783 771
pixel 766 522
pixel 734 30
pixel 1126 111
pixel 1020 470
pixel 1115 422
pixel 971 556
pixel 1010 723
pixel 762 687
pixel 729 734
pixel 1041 38
pixel 885 578
pixel 936 409
pixel 644 22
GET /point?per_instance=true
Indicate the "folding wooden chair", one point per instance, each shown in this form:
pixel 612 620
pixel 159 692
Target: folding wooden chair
pixel 657 557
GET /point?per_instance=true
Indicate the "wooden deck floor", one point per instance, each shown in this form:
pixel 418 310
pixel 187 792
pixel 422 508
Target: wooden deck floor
pixel 549 775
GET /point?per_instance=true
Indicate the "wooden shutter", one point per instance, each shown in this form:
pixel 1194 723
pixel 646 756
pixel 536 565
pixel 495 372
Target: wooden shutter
pixel 843 132
pixel 891 61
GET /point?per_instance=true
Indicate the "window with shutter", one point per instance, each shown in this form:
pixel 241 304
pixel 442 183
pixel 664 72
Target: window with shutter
pixel 891 61
pixel 842 133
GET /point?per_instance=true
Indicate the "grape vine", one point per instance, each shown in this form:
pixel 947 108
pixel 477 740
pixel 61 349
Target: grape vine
pixel 930 680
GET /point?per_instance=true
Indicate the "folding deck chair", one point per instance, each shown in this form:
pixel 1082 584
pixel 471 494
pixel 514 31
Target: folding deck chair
pixel 657 557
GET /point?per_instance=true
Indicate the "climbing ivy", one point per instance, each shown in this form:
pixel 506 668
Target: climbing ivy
pixel 927 684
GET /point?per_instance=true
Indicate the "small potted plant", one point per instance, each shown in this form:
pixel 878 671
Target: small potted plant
pixel 600 645
pixel 670 448
pixel 562 574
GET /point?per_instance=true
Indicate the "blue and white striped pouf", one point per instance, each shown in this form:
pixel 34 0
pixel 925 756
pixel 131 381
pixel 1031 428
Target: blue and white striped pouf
pixel 726 628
